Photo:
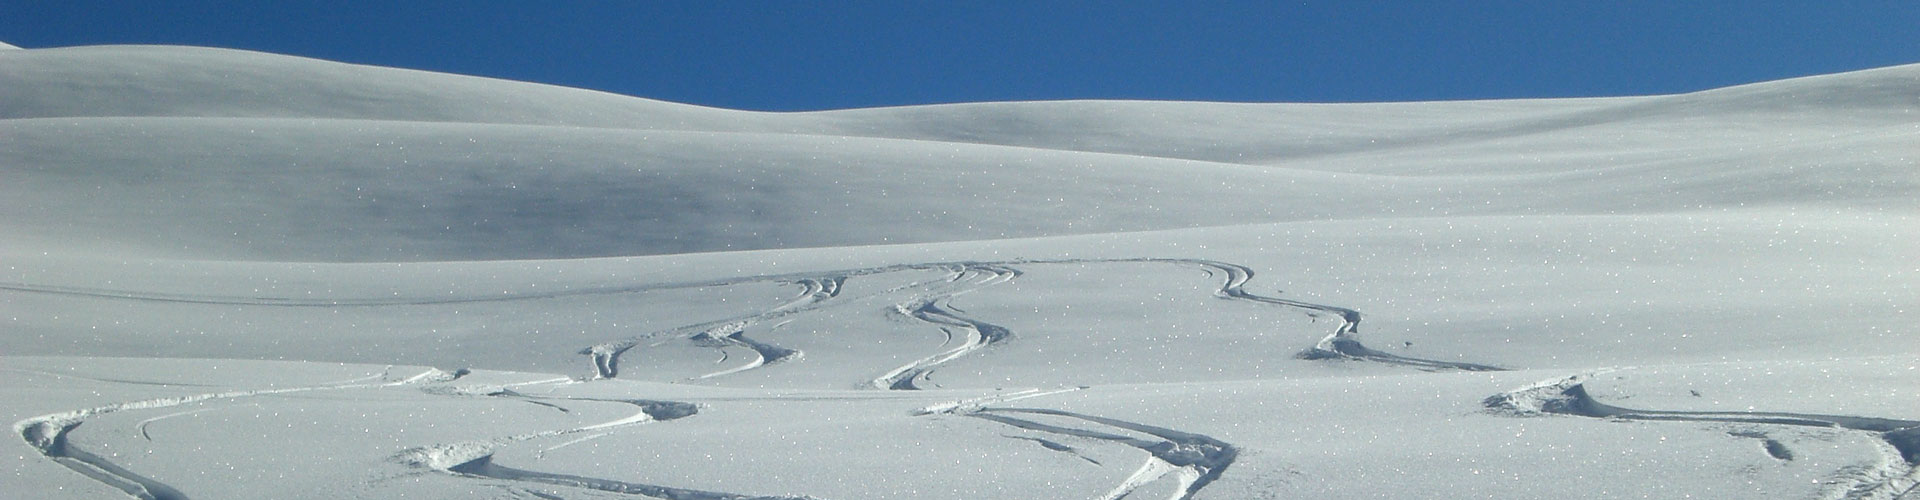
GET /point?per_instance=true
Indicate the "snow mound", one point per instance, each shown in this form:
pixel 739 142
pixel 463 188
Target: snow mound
pixel 443 457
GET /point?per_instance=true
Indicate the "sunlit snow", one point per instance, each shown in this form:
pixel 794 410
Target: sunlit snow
pixel 228 274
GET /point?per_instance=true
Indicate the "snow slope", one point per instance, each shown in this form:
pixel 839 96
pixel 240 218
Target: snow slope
pixel 228 274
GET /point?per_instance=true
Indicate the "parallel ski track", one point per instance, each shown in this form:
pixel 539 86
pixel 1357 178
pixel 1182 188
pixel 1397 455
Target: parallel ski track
pixel 932 309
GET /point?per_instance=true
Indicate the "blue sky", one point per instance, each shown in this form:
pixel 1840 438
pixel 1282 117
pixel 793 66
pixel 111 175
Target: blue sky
pixel 786 55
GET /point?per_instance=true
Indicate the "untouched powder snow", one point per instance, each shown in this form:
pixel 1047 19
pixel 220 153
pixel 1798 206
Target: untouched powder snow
pixel 229 274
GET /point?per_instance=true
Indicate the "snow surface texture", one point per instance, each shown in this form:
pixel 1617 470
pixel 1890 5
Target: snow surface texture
pixel 227 274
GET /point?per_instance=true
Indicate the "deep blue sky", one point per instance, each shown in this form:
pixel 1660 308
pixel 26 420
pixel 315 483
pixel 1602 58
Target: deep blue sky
pixel 786 55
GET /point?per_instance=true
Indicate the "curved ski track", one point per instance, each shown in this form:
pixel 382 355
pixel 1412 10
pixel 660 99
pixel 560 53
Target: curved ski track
pixel 979 334
pixel 818 288
pixel 763 352
pixel 1194 459
pixel 928 305
pixel 48 433
pixel 475 458
pixel 1897 476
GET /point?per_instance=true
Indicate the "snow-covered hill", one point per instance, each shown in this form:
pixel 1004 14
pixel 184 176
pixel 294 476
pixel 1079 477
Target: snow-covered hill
pixel 228 274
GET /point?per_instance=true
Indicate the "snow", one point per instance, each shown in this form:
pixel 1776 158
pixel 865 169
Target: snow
pixel 228 274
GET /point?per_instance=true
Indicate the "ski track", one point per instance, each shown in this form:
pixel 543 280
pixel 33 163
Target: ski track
pixel 484 467
pixel 1055 446
pixel 1894 477
pixel 571 442
pixel 1193 460
pixel 475 458
pixel 933 309
pixel 979 335
pixel 141 427
pixel 48 433
pixel 764 353
pixel 930 305
pixel 1344 343
pixel 730 331
pixel 818 288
